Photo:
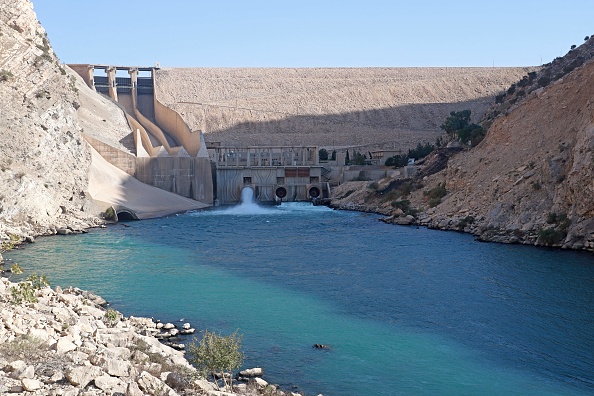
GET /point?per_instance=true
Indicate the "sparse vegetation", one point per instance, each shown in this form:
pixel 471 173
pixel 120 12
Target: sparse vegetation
pixel 436 194
pixel 551 236
pixel 373 186
pixel 216 354
pixel 323 154
pixel 12 242
pixel 5 75
pixel 458 124
pixel 421 151
pixel 110 214
pixel 111 317
pixel 72 84
pixel 465 222
pixel 24 347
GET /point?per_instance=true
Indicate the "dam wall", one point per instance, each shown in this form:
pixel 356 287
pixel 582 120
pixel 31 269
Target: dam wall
pixel 168 155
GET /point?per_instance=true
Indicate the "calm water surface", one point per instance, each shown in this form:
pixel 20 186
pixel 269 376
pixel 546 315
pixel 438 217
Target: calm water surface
pixel 405 310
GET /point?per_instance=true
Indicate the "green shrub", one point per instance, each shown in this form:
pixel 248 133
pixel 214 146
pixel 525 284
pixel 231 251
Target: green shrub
pixel 373 186
pixel 403 205
pixel 217 354
pixel 24 347
pixel 544 81
pixel 323 154
pixel 433 202
pixel 465 222
pixel 37 281
pixel 111 317
pixel 5 75
pixel 23 292
pixel 110 214
pixel 437 192
pixel 551 236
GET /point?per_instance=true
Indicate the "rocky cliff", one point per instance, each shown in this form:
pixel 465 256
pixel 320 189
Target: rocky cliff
pixel 43 159
pixel 531 180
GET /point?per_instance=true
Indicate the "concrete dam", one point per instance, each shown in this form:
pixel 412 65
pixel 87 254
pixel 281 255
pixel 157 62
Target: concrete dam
pixel 169 155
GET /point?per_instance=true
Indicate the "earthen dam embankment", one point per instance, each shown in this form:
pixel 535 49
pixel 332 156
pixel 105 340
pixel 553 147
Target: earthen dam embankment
pixel 328 107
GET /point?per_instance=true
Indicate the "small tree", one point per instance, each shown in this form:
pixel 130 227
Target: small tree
pixel 215 353
pixel 323 154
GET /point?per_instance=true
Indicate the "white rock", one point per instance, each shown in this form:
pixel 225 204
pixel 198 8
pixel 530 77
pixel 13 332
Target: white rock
pixel 110 384
pixel 81 376
pixel 31 385
pixel 204 385
pixel 169 326
pixel 173 332
pixel 133 390
pixel 253 372
pixel 260 382
pixel 152 385
pixel 186 326
pixel 65 345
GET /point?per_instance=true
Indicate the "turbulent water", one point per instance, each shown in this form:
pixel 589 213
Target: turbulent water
pixel 405 310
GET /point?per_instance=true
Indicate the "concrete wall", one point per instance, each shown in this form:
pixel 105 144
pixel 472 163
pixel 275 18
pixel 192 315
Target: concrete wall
pixel 189 177
pixel 86 72
pixel 173 124
pixel 265 180
pixel 118 158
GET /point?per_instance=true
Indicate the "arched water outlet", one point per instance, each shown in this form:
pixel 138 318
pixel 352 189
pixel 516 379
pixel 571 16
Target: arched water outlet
pixel 247 195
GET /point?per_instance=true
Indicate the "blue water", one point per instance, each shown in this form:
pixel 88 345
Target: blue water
pixel 405 310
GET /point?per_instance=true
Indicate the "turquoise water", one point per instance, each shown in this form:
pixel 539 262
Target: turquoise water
pixel 405 310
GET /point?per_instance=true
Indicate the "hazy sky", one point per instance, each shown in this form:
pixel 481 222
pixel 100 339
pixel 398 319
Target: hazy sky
pixel 310 33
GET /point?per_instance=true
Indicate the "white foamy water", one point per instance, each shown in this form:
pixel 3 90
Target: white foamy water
pixel 249 207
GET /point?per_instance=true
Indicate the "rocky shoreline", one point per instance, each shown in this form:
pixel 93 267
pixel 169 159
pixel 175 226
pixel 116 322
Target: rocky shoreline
pixel 65 342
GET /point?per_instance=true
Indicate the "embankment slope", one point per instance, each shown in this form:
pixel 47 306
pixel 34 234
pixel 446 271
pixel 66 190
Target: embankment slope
pixel 389 107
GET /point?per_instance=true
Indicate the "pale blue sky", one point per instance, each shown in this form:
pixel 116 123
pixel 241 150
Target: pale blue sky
pixel 314 33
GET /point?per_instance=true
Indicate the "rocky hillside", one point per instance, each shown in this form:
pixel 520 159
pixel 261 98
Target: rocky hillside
pixel 43 160
pixel 387 107
pixel 531 180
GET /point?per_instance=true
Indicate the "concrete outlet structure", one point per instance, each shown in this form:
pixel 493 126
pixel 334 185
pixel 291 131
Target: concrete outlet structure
pixel 168 154
pixel 275 173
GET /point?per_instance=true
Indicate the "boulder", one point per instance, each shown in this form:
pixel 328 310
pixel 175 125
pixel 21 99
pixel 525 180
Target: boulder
pixel 133 390
pixel 186 326
pixel 64 345
pixel 253 372
pixel 177 381
pixel 31 385
pixel 27 372
pixel 151 385
pixel 168 326
pixel 110 385
pixel 81 376
pixel 260 382
pixel 204 385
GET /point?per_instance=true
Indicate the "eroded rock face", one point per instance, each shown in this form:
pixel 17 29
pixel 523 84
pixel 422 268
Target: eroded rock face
pixel 531 180
pixel 43 159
